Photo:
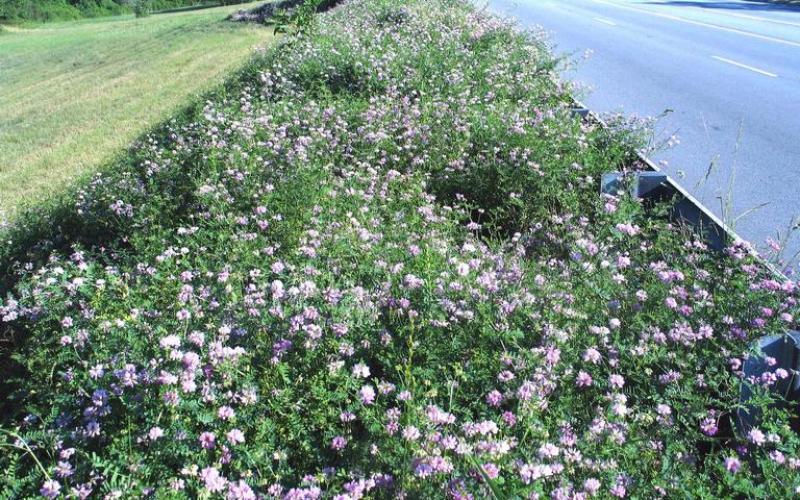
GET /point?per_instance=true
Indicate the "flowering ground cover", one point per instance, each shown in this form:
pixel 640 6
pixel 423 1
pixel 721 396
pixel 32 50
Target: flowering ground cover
pixel 376 265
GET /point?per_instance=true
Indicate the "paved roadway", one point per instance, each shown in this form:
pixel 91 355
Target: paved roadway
pixel 728 70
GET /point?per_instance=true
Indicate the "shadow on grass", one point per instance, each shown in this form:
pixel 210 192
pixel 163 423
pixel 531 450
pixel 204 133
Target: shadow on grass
pixel 55 227
pixel 209 5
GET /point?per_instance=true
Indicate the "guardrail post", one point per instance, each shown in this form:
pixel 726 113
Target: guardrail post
pixel 657 186
pixel 714 235
pixel 785 351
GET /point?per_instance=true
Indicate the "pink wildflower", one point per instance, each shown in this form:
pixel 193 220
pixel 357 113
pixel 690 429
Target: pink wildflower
pixel 235 436
pixel 226 413
pixel 732 465
pixel 494 398
pixel 50 489
pixel 155 433
pixel 616 381
pixel 591 486
pixel 212 480
pixel 240 491
pixel 756 437
pixel 491 470
pixel 584 379
pixel 207 440
pixel 338 443
pixel 367 395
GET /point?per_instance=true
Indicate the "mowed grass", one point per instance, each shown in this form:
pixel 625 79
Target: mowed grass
pixel 73 94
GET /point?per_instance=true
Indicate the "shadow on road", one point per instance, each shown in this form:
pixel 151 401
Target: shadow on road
pixel 765 5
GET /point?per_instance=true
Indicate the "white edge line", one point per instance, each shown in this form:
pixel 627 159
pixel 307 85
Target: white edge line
pixel 745 66
pixel 764 19
pixel 755 18
pixel 699 23
pixel 604 21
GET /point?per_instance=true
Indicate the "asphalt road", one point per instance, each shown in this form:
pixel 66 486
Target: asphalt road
pixel 728 70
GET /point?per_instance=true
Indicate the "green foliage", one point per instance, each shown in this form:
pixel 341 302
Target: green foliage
pixel 64 10
pixel 376 264
pixel 38 10
pixel 142 8
pixel 299 19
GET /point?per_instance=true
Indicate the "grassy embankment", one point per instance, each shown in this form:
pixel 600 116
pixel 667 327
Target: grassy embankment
pixel 377 263
pixel 22 12
pixel 73 94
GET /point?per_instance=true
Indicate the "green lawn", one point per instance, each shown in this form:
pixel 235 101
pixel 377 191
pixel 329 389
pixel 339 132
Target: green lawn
pixel 72 94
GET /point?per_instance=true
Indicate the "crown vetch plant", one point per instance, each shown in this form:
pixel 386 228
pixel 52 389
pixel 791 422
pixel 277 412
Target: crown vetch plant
pixel 376 265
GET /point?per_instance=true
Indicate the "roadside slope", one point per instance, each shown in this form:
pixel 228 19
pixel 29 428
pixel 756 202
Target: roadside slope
pixel 376 264
pixel 74 94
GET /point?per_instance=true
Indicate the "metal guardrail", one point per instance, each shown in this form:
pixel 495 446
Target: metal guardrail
pixel 656 184
pixel 653 183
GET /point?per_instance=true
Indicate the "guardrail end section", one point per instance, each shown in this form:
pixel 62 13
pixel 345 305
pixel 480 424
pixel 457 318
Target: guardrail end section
pixel 582 113
pixel 640 184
